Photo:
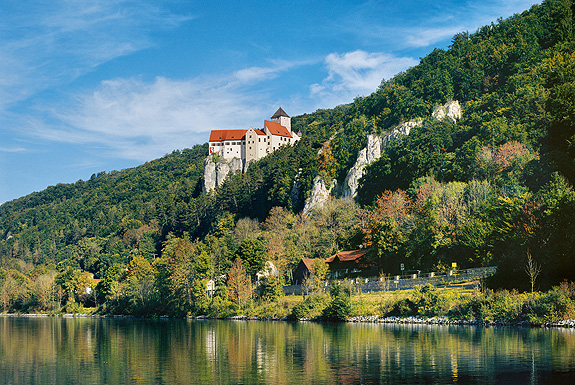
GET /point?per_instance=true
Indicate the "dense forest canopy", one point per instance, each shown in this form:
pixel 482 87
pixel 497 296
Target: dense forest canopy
pixel 492 188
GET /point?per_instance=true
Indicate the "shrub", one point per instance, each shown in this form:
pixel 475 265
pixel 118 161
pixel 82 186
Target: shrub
pixel 301 310
pixel 222 307
pixel 270 288
pixel 554 305
pixel 427 302
pixel 339 308
pixel 465 309
pixel 403 307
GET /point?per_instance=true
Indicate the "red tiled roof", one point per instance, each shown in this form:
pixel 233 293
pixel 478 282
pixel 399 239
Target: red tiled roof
pixel 221 135
pixel 308 262
pixel 350 255
pixel 277 129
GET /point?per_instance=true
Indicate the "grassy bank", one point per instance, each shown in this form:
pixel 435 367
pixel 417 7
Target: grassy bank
pixel 426 301
pixel 485 306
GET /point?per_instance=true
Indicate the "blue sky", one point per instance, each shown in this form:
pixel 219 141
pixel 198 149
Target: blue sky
pixel 90 86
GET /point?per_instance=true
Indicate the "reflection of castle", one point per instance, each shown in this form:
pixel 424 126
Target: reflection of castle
pixel 253 144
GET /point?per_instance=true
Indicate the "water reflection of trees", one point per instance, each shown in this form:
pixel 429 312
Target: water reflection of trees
pixel 118 351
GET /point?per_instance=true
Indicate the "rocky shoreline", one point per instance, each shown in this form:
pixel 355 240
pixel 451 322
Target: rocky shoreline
pixel 447 321
pixel 414 320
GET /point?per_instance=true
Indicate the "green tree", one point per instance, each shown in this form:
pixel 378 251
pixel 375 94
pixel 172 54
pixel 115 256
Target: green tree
pixel 68 281
pixel 253 254
pixel 107 288
pixel 315 281
pixel 339 307
pixel 387 246
pixel 186 261
pixel 270 288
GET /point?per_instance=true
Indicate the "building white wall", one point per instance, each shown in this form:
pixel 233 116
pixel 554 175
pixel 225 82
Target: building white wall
pixel 216 148
pixel 231 149
pixel 254 146
pixel 284 121
pixel 250 145
pixel 261 146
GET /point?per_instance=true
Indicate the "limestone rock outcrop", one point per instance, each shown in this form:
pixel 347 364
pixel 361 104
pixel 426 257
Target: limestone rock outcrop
pixel 216 171
pixel 398 131
pixel 366 156
pixel 371 153
pixel 376 145
pixel 450 110
pixel 320 193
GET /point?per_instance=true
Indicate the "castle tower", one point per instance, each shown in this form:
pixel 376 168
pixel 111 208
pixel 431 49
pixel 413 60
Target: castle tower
pixel 282 118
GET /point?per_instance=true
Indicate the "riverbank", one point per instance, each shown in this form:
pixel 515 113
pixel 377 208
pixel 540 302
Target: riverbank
pixel 422 305
pixel 410 320
pixel 456 322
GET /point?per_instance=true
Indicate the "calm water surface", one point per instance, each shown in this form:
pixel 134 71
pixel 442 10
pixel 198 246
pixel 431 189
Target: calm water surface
pixel 120 351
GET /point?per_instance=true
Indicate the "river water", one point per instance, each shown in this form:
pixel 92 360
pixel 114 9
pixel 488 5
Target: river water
pixel 58 350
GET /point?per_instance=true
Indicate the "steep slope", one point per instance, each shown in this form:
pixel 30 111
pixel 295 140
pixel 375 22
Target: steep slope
pixel 480 190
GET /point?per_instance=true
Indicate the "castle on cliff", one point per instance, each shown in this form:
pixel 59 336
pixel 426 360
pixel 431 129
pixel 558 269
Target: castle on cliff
pixel 251 144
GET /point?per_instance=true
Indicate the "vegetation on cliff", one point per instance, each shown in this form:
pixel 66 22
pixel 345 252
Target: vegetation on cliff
pixel 494 188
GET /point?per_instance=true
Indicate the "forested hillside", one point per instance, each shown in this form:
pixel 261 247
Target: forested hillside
pixel 492 188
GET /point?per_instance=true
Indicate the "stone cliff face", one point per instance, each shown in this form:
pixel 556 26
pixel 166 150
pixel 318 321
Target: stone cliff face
pixel 450 110
pixel 372 152
pixel 366 156
pixel 398 131
pixel 375 145
pixel 216 171
pixel 320 193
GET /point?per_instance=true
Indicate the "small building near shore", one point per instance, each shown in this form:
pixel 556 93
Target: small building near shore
pixel 303 270
pixel 347 262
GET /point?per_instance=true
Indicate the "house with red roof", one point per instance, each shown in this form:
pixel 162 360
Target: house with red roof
pixel 347 262
pixel 253 144
pixel 303 270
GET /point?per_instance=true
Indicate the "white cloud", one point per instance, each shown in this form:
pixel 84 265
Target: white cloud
pixel 420 24
pixel 12 149
pixel 137 119
pixel 424 37
pixel 449 21
pixel 356 73
pixel 256 74
pixel 55 42
pixel 252 75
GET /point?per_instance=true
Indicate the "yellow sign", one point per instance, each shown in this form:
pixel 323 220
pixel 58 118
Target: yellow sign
pixel 454 265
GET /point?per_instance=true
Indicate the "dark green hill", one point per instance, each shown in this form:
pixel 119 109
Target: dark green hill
pixel 44 227
pixel 516 82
